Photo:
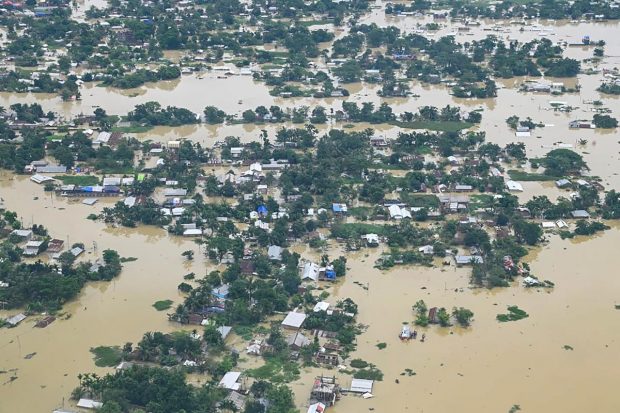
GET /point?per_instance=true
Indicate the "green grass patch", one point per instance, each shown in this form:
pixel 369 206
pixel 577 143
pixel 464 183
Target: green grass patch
pixel 420 200
pixel 514 314
pixel 244 332
pixel 481 201
pixel 106 356
pixel 358 364
pixel 132 129
pixel 320 22
pixel 528 176
pixel 276 370
pixel 356 230
pixel 433 125
pixel 81 180
pixel 371 373
pixel 55 137
pixel 162 305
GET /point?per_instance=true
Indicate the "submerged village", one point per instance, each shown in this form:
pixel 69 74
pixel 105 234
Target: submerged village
pixel 276 206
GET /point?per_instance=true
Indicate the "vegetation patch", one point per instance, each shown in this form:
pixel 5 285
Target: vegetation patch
pixel 381 346
pixel 276 370
pixel 514 314
pixel 440 126
pixel 81 180
pixel 530 177
pixel 106 356
pixel 162 305
pixel 371 373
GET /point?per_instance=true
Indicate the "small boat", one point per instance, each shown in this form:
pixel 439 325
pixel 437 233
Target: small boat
pixel 405 333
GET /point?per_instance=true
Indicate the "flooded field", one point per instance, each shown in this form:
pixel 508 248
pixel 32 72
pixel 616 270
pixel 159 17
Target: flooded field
pixel 488 367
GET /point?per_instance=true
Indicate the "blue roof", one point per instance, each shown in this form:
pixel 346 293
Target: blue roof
pixel 262 209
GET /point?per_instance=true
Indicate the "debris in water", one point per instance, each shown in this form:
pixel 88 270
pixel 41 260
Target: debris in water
pixel 30 355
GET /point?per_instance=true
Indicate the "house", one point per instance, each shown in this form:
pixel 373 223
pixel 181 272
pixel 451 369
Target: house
pixel 560 183
pixel 321 306
pixel 468 259
pixel 230 381
pixel 378 142
pixel 102 139
pixel 372 240
pixel 514 186
pixel 310 271
pixel 463 188
pixel 55 245
pixel 580 214
pixel 339 208
pixel 325 357
pixel 22 234
pixel 397 212
pixel 361 386
pixel 236 399
pixel 221 292
pixel 52 169
pixel 247 267
pixel 192 232
pixel 523 132
pixel 170 192
pixel 89 404
pixel 581 124
pixel 454 203
pixel 432 316
pixel 41 179
pixel 316 408
pixel 33 248
pixel 16 319
pixel 296 341
pixel 325 390
pixel 293 320
pixel 224 331
pixel 274 253
pixel 427 249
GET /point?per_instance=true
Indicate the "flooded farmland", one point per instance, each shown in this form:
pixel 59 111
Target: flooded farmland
pixel 563 357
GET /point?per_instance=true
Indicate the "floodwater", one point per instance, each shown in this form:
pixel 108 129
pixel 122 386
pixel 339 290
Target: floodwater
pixel 487 367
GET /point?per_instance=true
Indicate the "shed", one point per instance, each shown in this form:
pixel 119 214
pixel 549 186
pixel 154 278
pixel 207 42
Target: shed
pixel 41 179
pixel 16 319
pixel 361 386
pixel 90 201
pixel 297 341
pixel 293 320
pixel 339 208
pixel 514 186
pixel 224 331
pixel 274 252
pixel 89 404
pixel 221 292
pixel 169 192
pixel 229 381
pixel 321 306
pixel 52 169
pixel 580 213
pixel 562 182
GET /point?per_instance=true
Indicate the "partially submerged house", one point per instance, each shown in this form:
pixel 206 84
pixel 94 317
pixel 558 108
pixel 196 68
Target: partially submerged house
pixel 325 390
pixel 293 321
pixel 230 381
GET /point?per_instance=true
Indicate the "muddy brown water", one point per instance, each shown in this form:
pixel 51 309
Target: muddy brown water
pixel 488 367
